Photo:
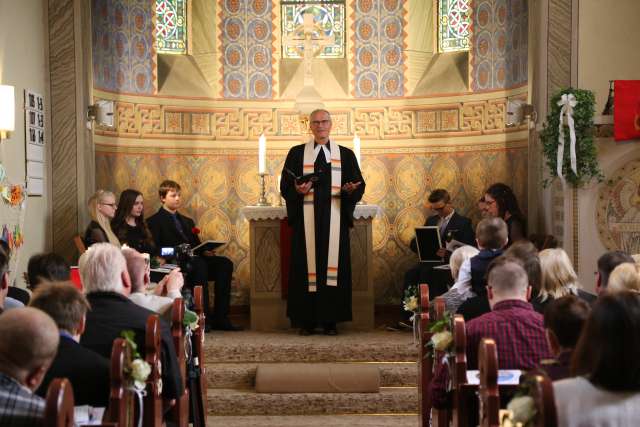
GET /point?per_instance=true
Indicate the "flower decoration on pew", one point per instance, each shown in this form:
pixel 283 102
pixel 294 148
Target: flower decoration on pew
pixel 139 369
pixel 190 320
pixel 442 339
pixel 521 409
pixel 410 301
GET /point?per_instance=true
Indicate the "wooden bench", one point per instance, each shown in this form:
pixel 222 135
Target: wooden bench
pixel 542 393
pixel 425 361
pixel 58 410
pixel 198 394
pixel 489 395
pixel 180 412
pixel 121 404
pixel 153 397
pixel 439 417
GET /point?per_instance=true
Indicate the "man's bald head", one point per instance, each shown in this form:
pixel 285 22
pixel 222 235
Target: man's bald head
pixel 507 279
pixel 28 343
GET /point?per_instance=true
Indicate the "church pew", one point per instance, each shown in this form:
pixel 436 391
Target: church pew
pixel 488 390
pixel 462 392
pixel 58 410
pixel 153 398
pixel 121 403
pixel 439 417
pixel 425 361
pixel 198 395
pixel 542 393
pixel 180 411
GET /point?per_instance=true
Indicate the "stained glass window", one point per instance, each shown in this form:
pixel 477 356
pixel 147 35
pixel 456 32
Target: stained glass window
pixel 171 26
pixel 328 27
pixel 453 25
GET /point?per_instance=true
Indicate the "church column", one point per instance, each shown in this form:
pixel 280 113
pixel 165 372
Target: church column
pixel 71 148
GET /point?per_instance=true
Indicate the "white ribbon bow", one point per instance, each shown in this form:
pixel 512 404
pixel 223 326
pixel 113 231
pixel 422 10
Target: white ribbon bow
pixel 140 393
pixel 567 102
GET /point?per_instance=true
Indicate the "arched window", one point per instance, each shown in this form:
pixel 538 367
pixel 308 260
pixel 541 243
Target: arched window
pixel 172 27
pixel 328 20
pixel 454 18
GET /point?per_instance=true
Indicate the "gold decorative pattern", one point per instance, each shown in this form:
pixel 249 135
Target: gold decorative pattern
pixel 377 178
pixel 406 222
pixel 268 270
pixel 476 175
pixel 445 174
pixel 215 176
pixel 380 231
pixel 149 121
pixel 248 182
pixel 215 225
pixel 410 179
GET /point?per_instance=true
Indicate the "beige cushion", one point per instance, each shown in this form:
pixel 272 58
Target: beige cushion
pixel 317 378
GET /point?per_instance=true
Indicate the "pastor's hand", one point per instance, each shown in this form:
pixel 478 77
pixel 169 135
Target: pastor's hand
pixel 304 188
pixel 441 252
pixel 350 187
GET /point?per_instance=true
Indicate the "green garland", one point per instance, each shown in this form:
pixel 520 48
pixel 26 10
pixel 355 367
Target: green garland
pixel 586 153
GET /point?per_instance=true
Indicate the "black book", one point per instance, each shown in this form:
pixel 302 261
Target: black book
pixel 301 179
pixel 208 245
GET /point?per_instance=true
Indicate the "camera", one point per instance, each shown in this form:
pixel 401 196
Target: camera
pixel 181 255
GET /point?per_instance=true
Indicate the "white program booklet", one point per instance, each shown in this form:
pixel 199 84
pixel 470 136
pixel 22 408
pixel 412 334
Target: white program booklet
pixel 88 415
pixel 505 377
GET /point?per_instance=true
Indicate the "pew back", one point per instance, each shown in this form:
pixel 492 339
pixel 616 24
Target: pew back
pixel 180 412
pixel 488 390
pixel 153 398
pixel 58 411
pixel 425 363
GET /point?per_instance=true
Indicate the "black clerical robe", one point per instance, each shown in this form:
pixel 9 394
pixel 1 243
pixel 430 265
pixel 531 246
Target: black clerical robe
pixel 329 303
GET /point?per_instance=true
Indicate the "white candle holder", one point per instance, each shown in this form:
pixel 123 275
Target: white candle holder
pixel 262 201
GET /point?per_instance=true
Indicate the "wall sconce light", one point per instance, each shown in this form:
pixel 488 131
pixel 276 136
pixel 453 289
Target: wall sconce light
pixel 7 111
pixel 101 112
pixel 518 111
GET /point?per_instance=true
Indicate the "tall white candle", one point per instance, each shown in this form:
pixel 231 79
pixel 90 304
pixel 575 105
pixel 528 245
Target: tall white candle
pixel 356 147
pixel 279 178
pixel 262 154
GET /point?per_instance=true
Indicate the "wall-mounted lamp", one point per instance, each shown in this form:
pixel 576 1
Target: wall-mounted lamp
pixel 517 111
pixel 101 112
pixel 7 110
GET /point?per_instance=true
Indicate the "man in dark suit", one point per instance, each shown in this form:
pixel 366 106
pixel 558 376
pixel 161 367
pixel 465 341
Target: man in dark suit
pixel 170 229
pixel 87 371
pixel 103 270
pixel 452 226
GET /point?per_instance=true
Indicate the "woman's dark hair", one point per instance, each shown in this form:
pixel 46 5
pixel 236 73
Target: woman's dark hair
pixel 607 351
pixel 506 200
pixel 48 267
pixel 125 206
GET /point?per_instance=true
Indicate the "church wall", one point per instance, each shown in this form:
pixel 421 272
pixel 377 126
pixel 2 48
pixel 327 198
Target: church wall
pixel 608 212
pixel 411 145
pixel 23 29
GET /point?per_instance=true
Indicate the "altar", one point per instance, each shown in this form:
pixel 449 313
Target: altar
pixel 268 304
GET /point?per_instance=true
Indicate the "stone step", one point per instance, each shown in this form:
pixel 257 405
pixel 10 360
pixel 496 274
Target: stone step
pixel 377 420
pixel 243 375
pixel 288 346
pixel 390 400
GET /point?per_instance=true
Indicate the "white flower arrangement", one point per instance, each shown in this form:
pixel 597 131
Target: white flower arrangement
pixel 441 340
pixel 411 304
pixel 140 371
pixel 190 320
pixel 523 409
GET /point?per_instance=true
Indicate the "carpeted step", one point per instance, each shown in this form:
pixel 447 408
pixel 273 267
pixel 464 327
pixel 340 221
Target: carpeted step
pixel 242 375
pixel 380 420
pixel 390 400
pixel 288 346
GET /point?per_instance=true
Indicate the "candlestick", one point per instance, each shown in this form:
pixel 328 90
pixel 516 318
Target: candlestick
pixel 356 147
pixel 262 201
pixel 278 191
pixel 262 154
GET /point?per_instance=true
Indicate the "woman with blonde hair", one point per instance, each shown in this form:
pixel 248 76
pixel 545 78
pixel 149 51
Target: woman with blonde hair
pixel 102 209
pixel 558 279
pixel 624 277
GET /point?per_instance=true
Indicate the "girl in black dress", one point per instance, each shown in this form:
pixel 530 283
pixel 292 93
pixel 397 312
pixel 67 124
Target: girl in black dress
pixel 129 225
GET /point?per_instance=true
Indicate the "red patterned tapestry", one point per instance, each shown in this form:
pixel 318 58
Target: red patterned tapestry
pixel 626 113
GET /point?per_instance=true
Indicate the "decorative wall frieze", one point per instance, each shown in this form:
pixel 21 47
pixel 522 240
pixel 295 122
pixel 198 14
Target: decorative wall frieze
pixel 467 118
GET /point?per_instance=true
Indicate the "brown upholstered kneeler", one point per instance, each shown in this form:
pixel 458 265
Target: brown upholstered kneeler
pixel 317 378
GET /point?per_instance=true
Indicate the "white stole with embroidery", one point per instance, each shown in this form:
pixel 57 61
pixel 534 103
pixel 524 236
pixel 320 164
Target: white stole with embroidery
pixel 310 155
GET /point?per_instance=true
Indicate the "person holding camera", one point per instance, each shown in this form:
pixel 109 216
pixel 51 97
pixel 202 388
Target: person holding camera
pixel 170 229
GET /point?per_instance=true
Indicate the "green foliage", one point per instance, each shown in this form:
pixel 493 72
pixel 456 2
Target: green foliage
pixel 130 337
pixel 586 153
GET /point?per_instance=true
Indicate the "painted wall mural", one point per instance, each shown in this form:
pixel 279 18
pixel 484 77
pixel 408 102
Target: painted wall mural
pixel 378 48
pixel 124 57
pixel 499 44
pixel 217 184
pixel 246 48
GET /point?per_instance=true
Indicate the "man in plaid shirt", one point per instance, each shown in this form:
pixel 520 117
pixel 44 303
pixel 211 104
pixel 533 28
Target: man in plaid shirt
pixel 517 329
pixel 28 344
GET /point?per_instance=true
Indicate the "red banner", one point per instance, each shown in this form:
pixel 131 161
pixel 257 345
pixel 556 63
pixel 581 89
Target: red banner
pixel 626 110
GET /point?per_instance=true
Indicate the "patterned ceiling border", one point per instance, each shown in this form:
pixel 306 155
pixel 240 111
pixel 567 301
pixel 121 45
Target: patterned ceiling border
pixel 155 121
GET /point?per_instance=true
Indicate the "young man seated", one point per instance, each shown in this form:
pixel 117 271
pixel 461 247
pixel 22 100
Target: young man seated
pixel 170 229
pixel 87 371
pixel 28 343
pixel 517 329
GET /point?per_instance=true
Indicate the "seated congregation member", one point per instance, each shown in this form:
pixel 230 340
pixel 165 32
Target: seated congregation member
pixel 12 296
pixel 4 278
pixel 558 279
pixel 491 238
pixel 461 274
pixel 102 208
pixel 28 343
pixel 128 223
pixel 452 225
pixel 48 267
pixel 606 388
pixel 139 272
pixel 169 229
pixel 87 371
pixel 606 263
pixel 527 253
pixel 106 281
pixel 564 319
pixel 501 202
pixel 624 277
pixel 517 329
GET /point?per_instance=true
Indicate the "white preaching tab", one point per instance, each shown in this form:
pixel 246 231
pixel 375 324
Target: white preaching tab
pixel 505 377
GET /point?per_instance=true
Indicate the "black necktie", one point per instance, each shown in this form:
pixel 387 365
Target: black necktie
pixel 178 225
